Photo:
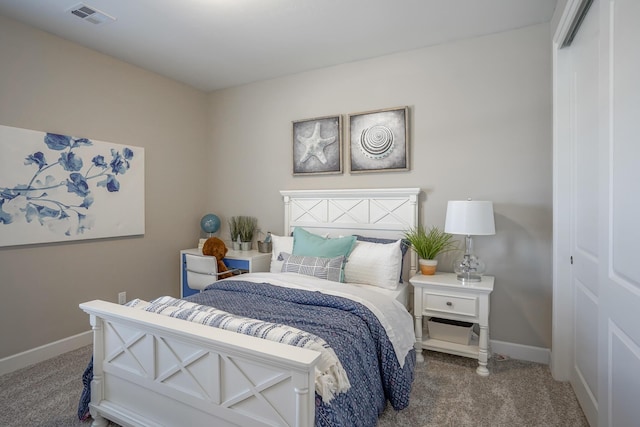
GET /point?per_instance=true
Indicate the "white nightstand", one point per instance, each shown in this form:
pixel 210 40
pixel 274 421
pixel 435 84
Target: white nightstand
pixel 245 261
pixel 443 296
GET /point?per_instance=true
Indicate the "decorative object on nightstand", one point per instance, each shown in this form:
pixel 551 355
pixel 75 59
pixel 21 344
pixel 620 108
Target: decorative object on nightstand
pixel 429 244
pixel 247 226
pixel 265 245
pixel 234 231
pixel 469 217
pixel 210 223
pixel 215 247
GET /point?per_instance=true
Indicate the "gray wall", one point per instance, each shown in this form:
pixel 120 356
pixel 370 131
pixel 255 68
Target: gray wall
pixel 48 84
pixel 480 127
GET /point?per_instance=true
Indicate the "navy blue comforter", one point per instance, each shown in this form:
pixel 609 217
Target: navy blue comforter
pixel 354 333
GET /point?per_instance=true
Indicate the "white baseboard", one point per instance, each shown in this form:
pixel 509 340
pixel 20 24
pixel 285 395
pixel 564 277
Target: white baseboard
pixel 44 352
pixel 521 352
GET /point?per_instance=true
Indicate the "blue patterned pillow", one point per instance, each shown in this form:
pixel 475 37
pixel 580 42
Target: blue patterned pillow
pixel 404 246
pixel 323 268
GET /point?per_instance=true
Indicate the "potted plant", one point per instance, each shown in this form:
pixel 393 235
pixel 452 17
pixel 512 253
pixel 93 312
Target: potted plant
pixel 428 244
pixel 234 230
pixel 247 226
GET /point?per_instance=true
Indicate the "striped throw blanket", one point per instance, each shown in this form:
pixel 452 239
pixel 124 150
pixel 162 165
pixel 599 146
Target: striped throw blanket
pixel 331 378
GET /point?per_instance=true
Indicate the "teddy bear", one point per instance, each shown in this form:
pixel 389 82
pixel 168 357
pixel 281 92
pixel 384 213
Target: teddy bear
pixel 216 247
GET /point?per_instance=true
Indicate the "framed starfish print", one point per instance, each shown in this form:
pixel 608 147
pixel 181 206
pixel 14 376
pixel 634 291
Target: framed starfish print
pixel 379 140
pixel 317 146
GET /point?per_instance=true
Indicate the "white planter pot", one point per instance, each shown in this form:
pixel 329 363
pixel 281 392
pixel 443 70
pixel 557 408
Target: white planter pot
pixel 428 266
pixel 245 246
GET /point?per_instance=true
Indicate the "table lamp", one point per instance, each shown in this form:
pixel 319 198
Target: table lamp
pixel 469 217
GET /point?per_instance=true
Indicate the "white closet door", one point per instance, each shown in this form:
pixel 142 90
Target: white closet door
pixel 584 84
pixel 597 212
pixel 619 272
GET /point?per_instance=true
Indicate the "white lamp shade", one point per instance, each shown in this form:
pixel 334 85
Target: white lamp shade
pixel 470 217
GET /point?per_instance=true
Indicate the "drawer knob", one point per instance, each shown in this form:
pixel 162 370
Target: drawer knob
pixel 449 303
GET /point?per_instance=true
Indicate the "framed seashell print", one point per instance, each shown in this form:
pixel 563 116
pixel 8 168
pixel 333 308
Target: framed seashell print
pixel 379 140
pixel 317 146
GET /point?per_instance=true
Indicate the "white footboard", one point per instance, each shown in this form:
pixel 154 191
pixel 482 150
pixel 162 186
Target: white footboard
pixel 152 370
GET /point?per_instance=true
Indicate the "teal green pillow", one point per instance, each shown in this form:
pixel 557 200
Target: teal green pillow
pixel 309 244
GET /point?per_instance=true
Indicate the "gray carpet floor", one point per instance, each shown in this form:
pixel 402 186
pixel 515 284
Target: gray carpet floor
pixel 447 392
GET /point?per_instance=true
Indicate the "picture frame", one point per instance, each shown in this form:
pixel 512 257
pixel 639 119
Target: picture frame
pixel 317 146
pixel 61 188
pixel 379 140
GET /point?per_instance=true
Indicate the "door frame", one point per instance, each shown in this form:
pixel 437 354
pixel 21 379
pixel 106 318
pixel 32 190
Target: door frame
pixel 562 342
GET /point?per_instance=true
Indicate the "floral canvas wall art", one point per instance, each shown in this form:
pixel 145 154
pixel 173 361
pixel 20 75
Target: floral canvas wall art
pixel 60 188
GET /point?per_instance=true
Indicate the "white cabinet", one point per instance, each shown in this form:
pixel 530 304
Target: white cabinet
pixel 443 296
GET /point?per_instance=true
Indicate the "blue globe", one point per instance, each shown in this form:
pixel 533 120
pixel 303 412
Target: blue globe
pixel 210 223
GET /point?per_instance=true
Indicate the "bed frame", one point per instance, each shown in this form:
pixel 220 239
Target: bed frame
pixel 152 370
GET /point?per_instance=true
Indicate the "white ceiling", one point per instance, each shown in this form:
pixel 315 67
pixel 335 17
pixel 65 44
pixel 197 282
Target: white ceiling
pixel 213 44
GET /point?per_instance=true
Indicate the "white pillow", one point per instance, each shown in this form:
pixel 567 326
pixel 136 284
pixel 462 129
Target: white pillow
pixel 279 244
pixel 374 264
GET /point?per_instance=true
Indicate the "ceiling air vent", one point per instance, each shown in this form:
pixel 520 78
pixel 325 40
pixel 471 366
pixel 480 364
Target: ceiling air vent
pixel 91 14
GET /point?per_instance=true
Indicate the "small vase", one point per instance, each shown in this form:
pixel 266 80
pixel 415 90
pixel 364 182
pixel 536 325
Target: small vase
pixel 245 246
pixel 264 247
pixel 236 246
pixel 428 266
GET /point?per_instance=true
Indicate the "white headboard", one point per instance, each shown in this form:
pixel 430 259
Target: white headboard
pixel 377 212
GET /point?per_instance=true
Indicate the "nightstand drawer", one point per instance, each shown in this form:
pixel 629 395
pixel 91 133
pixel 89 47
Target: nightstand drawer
pixel 462 305
pixel 240 264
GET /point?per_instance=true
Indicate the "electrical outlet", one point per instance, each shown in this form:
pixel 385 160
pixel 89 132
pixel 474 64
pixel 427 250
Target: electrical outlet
pixel 122 298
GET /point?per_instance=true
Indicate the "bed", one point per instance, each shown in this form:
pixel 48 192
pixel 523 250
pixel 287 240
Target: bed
pixel 150 368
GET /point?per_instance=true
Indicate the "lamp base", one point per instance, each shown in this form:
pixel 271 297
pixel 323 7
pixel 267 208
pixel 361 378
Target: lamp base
pixel 470 268
pixel 469 277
